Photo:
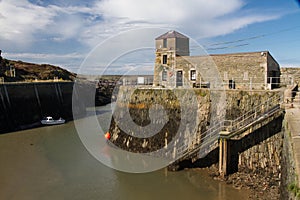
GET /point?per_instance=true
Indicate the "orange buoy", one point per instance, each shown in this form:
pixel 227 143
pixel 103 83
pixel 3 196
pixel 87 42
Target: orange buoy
pixel 107 135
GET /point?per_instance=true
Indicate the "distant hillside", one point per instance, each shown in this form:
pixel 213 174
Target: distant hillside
pixel 29 71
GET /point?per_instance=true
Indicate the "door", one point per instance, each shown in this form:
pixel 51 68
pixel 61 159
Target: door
pixel 231 84
pixel 178 78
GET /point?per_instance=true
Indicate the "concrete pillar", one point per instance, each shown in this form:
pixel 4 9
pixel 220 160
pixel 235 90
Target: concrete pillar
pixel 223 157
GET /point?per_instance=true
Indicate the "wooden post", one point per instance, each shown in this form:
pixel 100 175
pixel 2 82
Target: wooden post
pixel 225 161
pixel 220 156
pixel 223 154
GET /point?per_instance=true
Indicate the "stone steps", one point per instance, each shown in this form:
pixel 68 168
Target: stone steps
pixel 296 100
pixel 297 97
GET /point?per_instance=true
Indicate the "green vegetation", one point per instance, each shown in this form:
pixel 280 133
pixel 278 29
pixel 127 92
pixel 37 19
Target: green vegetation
pixel 200 92
pixel 292 187
pixel 24 71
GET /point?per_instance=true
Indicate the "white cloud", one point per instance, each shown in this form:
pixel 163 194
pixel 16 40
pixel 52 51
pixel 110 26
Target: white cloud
pixel 199 18
pixel 167 11
pixel 21 20
pixel 293 65
pixel 69 61
pixel 229 25
pixel 23 23
pixel 42 55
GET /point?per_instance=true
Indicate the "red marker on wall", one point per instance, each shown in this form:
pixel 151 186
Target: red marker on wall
pixel 107 135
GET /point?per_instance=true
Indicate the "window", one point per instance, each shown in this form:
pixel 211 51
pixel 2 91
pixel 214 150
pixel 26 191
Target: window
pixel 193 75
pixel 164 75
pixel 165 57
pixel 231 84
pixel 165 43
pixel 246 76
pixel 225 75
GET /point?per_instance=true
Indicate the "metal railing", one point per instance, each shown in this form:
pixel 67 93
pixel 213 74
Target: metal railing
pixel 203 143
pixel 256 113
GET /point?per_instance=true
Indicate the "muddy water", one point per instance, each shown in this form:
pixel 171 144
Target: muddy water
pixel 51 163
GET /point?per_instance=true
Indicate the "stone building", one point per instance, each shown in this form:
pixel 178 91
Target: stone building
pixel 174 67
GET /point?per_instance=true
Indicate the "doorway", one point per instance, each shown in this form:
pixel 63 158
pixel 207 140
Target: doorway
pixel 178 78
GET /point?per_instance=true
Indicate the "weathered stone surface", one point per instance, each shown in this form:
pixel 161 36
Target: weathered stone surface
pixel 196 103
pixel 257 160
pixel 168 106
pixel 290 75
pixel 288 162
pixel 247 70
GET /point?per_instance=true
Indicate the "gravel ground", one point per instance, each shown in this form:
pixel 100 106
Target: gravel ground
pixel 262 186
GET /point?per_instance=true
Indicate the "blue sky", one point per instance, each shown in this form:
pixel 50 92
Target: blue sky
pixel 64 32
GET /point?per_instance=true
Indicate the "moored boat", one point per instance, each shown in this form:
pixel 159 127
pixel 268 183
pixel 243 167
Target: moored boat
pixel 50 121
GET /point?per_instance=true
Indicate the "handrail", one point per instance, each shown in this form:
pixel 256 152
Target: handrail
pixel 252 116
pixel 207 139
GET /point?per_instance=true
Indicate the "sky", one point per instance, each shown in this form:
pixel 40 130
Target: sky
pixel 69 33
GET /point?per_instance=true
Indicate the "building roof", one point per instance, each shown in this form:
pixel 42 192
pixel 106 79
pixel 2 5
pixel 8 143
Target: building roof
pixel 241 53
pixel 171 34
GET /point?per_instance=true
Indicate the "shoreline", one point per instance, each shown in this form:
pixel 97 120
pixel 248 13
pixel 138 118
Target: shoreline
pixel 260 186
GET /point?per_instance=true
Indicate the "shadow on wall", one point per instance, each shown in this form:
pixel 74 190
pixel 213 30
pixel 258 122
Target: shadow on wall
pixel 24 105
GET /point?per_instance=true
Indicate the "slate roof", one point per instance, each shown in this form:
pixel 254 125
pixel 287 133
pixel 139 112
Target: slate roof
pixel 171 34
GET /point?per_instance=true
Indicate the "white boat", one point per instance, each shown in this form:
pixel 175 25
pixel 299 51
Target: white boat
pixel 50 121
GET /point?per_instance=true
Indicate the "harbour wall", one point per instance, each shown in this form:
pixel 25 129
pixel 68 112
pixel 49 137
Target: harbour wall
pixel 23 105
pixel 290 156
pixel 184 108
pixel 259 156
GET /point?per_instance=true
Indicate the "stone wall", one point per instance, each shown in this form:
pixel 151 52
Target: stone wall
pixel 24 105
pixel 243 68
pixel 289 176
pixel 246 70
pixel 263 157
pixel 240 102
pixel 183 113
pixel 290 76
pixel 266 153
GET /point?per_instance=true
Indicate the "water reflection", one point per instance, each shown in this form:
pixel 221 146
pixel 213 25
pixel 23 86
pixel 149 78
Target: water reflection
pixel 51 163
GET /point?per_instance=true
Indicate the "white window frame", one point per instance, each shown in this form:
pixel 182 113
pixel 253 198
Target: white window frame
pixel 193 77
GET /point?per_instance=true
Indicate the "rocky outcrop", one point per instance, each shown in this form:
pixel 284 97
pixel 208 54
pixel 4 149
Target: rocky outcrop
pixel 29 71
